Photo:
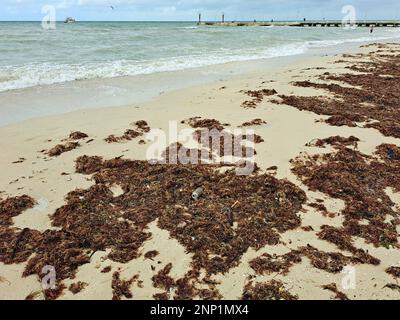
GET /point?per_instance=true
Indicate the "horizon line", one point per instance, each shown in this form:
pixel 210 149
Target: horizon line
pixel 196 21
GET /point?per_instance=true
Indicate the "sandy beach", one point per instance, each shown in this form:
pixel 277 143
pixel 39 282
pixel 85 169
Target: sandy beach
pixel 317 236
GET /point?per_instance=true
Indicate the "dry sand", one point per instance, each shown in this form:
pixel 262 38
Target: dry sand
pixel 286 133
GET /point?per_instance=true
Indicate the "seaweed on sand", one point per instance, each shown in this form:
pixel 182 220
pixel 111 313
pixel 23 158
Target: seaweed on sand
pixel 77 287
pixel 272 290
pixel 258 97
pixel 254 122
pixel 106 269
pixel 88 165
pixel 162 279
pixel 62 148
pixel 122 288
pixel 53 294
pixel 78 135
pixel 267 263
pixel 342 239
pixel 394 271
pixel 12 207
pixel 333 288
pixel 94 219
pixel 371 97
pixel 16 245
pixel 360 181
pixel 151 254
pixel 161 296
pixel 197 122
pixel 388 152
pixel 224 143
pixel 264 204
pixel 336 141
pixel 141 128
pixel 332 262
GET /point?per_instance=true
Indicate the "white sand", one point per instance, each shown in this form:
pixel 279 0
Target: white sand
pixel 285 134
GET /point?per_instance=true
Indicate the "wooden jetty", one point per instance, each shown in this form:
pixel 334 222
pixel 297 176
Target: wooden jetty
pixel 307 23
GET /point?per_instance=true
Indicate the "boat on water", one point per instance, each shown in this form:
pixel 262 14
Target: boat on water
pixel 69 20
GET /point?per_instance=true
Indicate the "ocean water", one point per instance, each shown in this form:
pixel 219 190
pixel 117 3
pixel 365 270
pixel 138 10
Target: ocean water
pixel 30 55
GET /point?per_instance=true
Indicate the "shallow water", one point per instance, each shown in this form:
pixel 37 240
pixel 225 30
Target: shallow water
pixel 30 55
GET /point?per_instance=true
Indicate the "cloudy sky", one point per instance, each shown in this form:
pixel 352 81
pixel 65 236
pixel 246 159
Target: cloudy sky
pixel 92 10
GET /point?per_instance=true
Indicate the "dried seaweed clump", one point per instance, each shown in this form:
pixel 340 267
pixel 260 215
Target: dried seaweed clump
pixel 370 97
pixel 87 223
pixel 224 143
pixel 78 135
pixel 336 141
pixel 185 288
pixel 333 288
pixel 77 287
pixel 394 271
pixel 254 122
pixel 342 239
pixel 151 254
pixel 360 181
pixel 16 245
pixel 272 290
pixel 53 294
pixel 106 269
pixel 141 128
pixel 161 296
pixel 97 221
pixel 258 97
pixel 62 148
pixel 162 279
pixel 267 264
pixel 260 205
pixel 88 165
pixel 233 214
pixel 197 122
pixel 122 288
pixel 389 152
pixel 332 262
pixel 12 207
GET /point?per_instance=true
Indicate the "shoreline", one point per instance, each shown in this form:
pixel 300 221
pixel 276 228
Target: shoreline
pixel 40 101
pixel 287 134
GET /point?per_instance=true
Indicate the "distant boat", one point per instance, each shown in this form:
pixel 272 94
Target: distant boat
pixel 69 20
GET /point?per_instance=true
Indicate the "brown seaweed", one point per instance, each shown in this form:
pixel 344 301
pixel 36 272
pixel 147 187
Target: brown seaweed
pixel 333 288
pixel 77 287
pixel 360 181
pixel 151 254
pixel 62 148
pixel 394 271
pixel 162 279
pixel 78 135
pixel 371 96
pixel 258 96
pixel 272 290
pixel 130 134
pixel 122 288
pixel 254 122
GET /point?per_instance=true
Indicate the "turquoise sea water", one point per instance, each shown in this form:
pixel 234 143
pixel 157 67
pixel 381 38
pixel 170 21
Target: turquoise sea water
pixel 30 55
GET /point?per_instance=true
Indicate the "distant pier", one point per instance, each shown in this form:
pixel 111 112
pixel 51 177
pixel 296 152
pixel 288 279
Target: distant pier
pixel 310 23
